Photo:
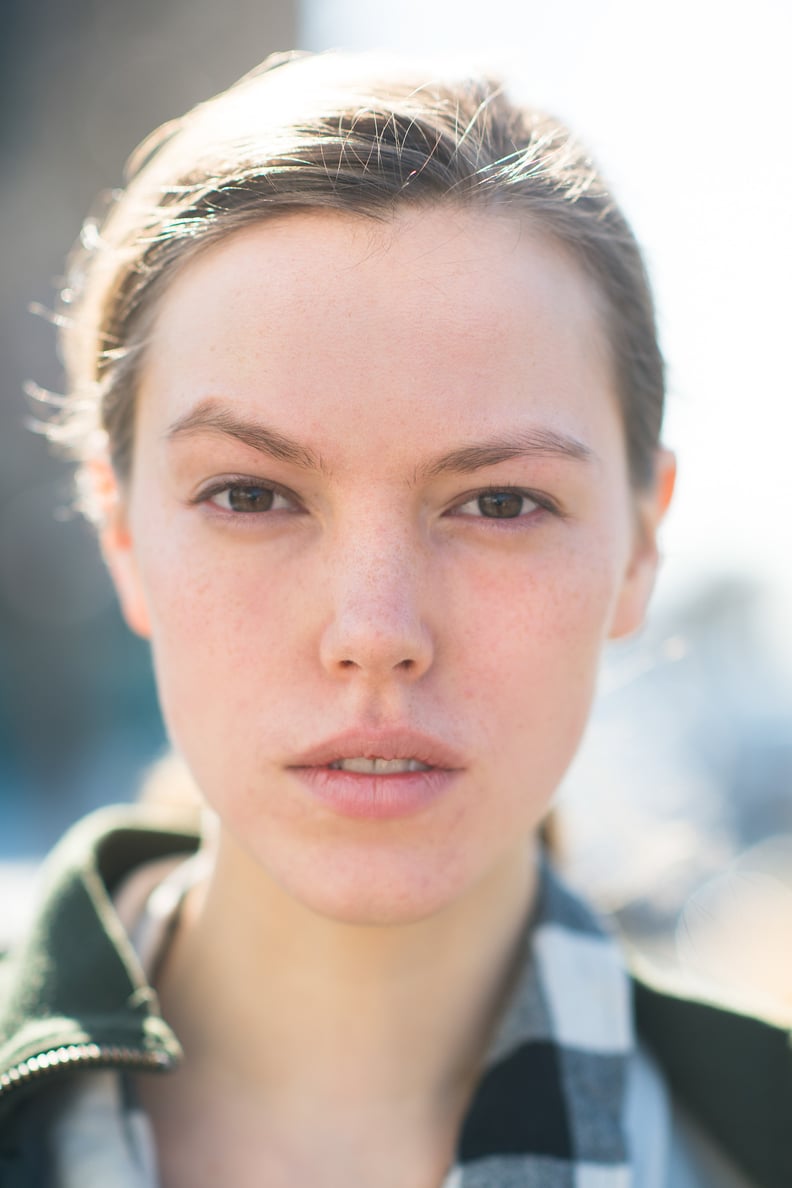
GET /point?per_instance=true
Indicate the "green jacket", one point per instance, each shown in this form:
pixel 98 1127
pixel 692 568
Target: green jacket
pixel 732 1072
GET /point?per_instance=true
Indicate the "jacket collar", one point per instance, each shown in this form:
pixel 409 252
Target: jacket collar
pixel 53 1018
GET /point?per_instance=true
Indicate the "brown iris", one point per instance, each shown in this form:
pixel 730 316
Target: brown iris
pixel 501 505
pixel 250 499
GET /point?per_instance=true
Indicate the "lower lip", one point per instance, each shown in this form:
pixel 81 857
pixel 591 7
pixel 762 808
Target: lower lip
pixel 376 797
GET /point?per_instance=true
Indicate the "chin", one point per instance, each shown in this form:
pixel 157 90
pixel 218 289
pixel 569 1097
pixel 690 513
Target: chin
pixel 376 893
pixel 372 885
pixel 381 874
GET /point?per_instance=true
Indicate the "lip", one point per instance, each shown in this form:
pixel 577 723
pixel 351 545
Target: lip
pixel 378 797
pixel 400 743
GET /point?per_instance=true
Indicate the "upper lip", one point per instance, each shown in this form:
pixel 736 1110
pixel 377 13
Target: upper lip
pixel 399 743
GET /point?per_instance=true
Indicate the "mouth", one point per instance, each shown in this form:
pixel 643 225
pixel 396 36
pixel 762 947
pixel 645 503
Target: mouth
pixel 394 751
pixel 378 775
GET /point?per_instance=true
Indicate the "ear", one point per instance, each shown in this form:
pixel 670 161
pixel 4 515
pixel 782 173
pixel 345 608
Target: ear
pixel 639 579
pixel 115 539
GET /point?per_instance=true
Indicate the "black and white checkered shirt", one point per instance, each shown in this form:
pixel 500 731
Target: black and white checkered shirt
pixel 548 1111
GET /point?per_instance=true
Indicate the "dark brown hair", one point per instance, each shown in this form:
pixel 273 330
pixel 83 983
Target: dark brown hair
pixel 347 133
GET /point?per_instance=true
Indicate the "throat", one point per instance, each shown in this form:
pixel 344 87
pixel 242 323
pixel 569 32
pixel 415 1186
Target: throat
pixel 290 1006
pixel 210 1134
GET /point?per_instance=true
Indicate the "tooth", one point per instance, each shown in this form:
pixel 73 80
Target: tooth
pixel 363 766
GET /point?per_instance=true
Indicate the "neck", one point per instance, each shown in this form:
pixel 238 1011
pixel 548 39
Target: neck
pixel 294 1005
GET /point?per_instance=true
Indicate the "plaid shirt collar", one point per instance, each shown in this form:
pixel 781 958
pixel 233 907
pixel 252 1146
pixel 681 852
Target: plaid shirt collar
pixel 549 1107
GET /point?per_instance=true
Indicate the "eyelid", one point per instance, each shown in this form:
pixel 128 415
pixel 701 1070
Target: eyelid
pixel 217 486
pixel 542 500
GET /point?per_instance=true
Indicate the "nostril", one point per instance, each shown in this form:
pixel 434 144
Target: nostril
pixel 353 644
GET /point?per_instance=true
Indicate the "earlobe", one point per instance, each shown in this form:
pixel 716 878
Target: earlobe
pixel 115 539
pixel 639 579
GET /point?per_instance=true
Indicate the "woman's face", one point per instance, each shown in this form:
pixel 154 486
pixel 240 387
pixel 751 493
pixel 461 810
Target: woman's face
pixel 380 510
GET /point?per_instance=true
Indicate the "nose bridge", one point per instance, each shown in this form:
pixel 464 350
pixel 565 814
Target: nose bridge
pixel 376 622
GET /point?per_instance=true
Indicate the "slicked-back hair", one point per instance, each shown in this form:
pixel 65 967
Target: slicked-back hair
pixel 349 133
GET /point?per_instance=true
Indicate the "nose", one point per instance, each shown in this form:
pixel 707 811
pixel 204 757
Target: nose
pixel 376 628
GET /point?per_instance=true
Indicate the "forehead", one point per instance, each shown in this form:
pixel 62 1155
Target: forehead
pixel 338 313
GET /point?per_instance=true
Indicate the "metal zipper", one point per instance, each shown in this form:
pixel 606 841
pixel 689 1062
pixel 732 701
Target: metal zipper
pixel 58 1059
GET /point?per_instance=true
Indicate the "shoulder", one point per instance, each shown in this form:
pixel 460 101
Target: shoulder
pixel 669 1148
pixel 72 992
pixel 730 1078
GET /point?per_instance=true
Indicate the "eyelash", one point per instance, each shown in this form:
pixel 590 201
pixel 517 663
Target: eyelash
pixel 225 486
pixel 540 501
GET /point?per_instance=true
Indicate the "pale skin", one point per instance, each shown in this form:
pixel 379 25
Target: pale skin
pixel 394 386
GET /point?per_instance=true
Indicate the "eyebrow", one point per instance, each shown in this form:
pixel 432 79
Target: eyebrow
pixel 210 416
pixel 520 443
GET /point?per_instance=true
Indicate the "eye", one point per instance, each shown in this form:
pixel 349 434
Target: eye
pixel 248 497
pixel 507 503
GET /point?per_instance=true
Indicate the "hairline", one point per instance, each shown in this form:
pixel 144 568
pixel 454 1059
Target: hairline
pixel 139 339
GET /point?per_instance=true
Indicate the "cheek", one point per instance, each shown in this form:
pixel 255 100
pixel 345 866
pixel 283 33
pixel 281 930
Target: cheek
pixel 221 639
pixel 556 607
pixel 530 639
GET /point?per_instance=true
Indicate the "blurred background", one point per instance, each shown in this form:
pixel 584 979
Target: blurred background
pixel 686 775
